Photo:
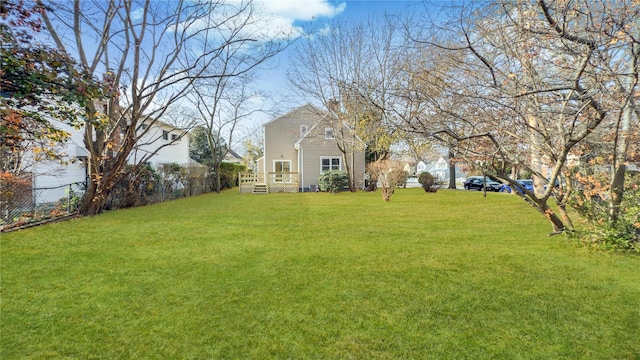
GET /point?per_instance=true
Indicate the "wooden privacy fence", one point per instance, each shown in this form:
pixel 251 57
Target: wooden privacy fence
pixel 256 183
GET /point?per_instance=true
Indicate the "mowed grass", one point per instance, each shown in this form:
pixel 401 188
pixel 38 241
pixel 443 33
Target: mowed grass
pixel 450 275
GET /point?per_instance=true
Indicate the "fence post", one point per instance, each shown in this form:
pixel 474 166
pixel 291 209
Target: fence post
pixel 33 202
pixel 69 200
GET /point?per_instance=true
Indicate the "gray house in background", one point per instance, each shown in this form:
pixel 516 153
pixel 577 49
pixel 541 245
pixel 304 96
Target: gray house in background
pixel 298 147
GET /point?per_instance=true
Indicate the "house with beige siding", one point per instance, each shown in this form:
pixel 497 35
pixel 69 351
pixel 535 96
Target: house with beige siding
pixel 298 147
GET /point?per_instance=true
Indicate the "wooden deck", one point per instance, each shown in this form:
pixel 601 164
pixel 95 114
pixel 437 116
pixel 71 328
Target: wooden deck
pixel 276 182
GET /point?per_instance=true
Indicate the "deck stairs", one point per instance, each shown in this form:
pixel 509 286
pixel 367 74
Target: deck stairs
pixel 260 188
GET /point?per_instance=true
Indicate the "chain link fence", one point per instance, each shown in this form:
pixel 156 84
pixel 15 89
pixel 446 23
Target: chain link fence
pixel 21 205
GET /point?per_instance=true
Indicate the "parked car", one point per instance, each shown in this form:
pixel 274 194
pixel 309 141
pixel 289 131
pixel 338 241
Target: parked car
pixel 412 182
pixel 525 183
pixel 476 183
pixel 556 186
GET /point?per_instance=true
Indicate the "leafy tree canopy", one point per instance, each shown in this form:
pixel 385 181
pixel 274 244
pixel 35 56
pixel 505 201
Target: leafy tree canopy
pixel 37 84
pixel 199 148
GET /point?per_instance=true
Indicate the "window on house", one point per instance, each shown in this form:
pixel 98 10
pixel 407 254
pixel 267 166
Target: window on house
pixel 328 133
pixel 143 127
pixel 330 163
pixel 303 130
pixel 165 135
pixel 175 137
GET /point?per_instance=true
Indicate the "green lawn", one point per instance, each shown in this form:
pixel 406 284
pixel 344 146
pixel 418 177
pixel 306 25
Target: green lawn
pixel 450 275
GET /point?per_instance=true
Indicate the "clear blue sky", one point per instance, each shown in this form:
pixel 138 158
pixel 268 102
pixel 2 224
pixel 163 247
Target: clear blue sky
pixel 379 7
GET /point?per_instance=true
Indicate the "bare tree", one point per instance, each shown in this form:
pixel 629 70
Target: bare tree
pixel 390 174
pixel 345 69
pixel 253 145
pixel 149 54
pixel 221 104
pixel 523 84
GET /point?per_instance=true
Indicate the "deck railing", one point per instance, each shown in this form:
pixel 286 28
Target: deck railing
pixel 274 182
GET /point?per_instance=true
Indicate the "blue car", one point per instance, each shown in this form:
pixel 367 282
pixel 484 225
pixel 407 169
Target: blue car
pixel 527 184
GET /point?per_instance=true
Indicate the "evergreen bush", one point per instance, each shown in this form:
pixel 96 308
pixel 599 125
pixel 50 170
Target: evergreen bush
pixel 333 181
pixel 428 182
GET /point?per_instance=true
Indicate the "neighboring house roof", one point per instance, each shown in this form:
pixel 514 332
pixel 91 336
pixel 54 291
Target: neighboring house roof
pixel 162 124
pixel 192 162
pixel 233 156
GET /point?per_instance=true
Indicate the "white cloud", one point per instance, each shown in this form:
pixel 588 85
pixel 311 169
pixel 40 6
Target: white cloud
pixel 136 14
pixel 269 19
pixel 278 17
pixel 301 10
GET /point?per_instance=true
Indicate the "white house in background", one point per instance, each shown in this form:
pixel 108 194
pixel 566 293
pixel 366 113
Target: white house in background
pixel 435 164
pixel 70 169
pixel 172 146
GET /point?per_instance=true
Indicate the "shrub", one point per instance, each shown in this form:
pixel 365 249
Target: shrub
pixel 172 179
pixel 622 234
pixel 389 174
pixel 196 180
pixel 15 194
pixel 229 174
pixel 136 189
pixel 399 177
pixel 428 182
pixel 333 181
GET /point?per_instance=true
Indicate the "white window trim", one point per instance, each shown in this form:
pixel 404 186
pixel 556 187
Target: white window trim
pixel 330 158
pixel 274 169
pixel 327 131
pixel 303 129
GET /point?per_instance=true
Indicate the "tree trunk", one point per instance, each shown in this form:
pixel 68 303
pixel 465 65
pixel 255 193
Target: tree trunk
pixel 373 183
pixel 95 198
pixel 352 186
pixel 218 178
pixel 104 174
pixel 452 171
pixel 619 160
pixel 617 190
pixel 348 169
pixel 484 184
pixel 556 223
pixel 562 209
pixel 87 198
pixel 536 158
pixel 387 191
pixel 541 206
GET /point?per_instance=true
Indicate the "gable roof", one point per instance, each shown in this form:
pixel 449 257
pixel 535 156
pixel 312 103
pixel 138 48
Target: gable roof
pixel 314 110
pixel 304 137
pixel 234 154
pixel 308 107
